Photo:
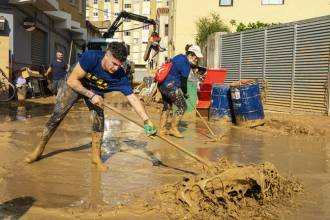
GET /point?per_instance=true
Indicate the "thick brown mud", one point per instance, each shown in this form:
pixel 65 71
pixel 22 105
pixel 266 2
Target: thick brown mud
pixel 298 125
pixel 65 185
pixel 230 191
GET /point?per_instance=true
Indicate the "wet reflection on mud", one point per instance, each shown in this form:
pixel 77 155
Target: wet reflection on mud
pixel 14 111
pixel 95 194
pixel 113 142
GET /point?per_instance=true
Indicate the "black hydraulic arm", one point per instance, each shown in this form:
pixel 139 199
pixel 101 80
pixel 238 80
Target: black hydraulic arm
pixel 124 14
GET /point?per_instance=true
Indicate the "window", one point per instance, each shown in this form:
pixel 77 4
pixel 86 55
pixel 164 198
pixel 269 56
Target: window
pixel 126 20
pixel 272 2
pixel 95 2
pixel 136 41
pixel 226 2
pixel 106 12
pixel 137 9
pixel 116 1
pixel 80 6
pixel 107 1
pixel 116 13
pixel 146 27
pixel 166 29
pixel 95 14
pixel 127 5
pixel 127 33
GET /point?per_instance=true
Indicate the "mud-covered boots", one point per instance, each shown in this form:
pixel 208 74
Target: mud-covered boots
pixel 174 130
pixel 162 123
pixel 37 152
pixel 96 151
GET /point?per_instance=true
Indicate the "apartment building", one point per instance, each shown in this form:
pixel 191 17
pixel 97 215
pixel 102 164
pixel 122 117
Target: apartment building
pixel 102 13
pixel 183 15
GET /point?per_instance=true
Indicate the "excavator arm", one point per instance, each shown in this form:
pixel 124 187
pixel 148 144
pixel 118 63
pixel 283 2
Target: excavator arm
pixel 124 14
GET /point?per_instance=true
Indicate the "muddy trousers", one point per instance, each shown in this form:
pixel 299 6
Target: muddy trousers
pixel 172 96
pixel 65 99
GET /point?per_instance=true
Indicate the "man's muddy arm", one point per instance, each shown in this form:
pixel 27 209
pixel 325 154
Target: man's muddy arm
pixel 74 81
pixel 138 107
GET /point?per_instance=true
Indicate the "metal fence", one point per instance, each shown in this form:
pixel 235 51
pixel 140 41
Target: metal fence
pixel 293 60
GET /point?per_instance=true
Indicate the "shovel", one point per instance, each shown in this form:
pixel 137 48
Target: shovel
pixel 194 156
pixel 214 137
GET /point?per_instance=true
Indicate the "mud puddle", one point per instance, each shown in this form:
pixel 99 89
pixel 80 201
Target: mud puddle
pixel 13 111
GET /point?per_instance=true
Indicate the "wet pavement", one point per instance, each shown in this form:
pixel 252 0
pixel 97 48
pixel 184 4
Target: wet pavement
pixel 63 184
pixel 13 111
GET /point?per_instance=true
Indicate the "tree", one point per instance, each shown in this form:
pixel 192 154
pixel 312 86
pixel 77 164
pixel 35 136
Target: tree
pixel 250 26
pixel 208 25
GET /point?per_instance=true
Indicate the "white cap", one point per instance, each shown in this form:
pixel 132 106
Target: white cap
pixel 196 50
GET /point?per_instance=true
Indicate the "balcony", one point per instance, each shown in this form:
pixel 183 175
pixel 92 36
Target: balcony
pixel 62 19
pixel 43 5
pixel 78 33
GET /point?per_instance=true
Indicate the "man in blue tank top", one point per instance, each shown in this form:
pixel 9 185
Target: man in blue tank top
pixel 96 73
pixel 58 68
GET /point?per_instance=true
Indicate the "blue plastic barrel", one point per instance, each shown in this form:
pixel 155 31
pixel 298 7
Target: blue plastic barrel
pixel 247 104
pixel 220 108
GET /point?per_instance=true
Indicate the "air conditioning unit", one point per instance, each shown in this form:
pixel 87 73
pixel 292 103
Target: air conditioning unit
pixel 29 24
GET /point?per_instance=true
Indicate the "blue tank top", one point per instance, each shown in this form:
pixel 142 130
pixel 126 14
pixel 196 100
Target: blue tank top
pixel 99 80
pixel 179 71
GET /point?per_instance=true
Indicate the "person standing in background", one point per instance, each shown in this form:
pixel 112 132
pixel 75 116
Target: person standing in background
pixel 58 68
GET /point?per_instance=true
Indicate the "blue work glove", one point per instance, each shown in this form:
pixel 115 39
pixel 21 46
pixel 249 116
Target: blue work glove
pixel 149 128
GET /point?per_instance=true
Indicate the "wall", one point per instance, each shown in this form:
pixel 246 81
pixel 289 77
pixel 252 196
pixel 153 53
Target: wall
pixel 162 19
pixel 7 13
pixel 186 12
pixel 73 9
pixel 290 61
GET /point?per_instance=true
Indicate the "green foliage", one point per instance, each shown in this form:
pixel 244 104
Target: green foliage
pixel 250 26
pixel 209 25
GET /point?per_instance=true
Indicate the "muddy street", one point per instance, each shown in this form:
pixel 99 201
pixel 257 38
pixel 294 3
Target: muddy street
pixel 64 184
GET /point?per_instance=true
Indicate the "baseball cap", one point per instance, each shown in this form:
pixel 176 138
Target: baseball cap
pixel 196 50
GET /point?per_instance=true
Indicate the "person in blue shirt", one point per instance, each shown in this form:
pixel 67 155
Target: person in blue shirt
pixel 170 89
pixel 58 68
pixel 96 73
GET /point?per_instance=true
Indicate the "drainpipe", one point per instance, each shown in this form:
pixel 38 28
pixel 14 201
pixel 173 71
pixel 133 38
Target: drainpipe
pixel 328 89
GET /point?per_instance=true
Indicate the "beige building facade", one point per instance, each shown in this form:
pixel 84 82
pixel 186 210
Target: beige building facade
pixel 162 19
pixel 184 14
pixel 134 33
